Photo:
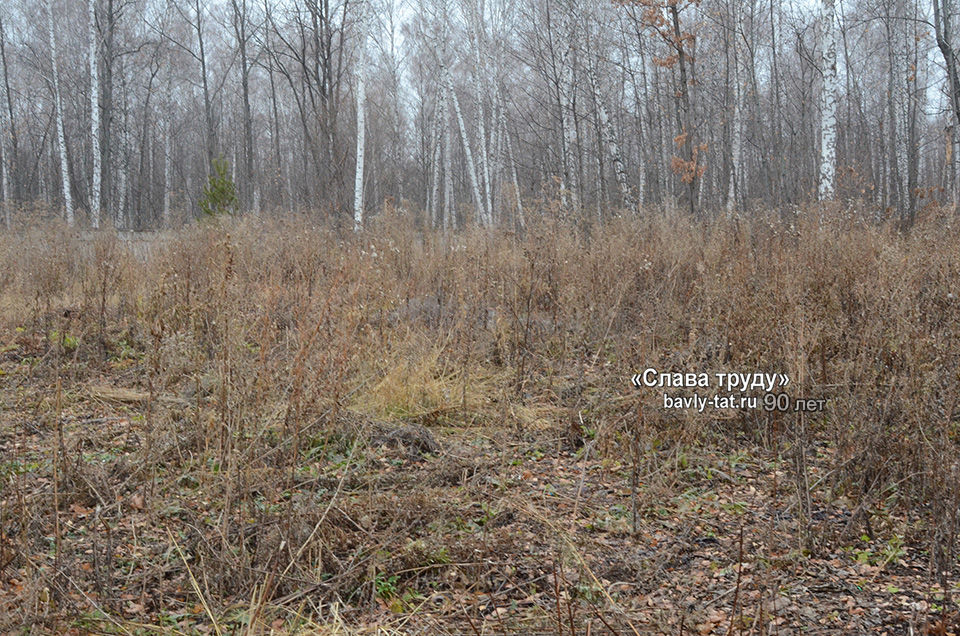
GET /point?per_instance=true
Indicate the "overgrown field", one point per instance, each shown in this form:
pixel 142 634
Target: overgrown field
pixel 269 426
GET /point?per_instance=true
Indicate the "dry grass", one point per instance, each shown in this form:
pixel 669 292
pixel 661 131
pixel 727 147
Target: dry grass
pixel 195 436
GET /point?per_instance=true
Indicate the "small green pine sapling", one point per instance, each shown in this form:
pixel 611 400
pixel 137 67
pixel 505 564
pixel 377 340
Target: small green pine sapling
pixel 220 194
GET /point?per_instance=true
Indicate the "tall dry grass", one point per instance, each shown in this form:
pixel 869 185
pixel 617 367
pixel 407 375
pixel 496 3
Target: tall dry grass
pixel 248 353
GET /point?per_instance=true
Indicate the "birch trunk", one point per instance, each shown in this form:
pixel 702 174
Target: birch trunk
pixel 955 170
pixel 643 155
pixel 610 141
pixel 496 164
pixel 941 20
pixel 122 220
pixel 166 174
pixel 94 116
pixel 776 125
pixel 433 194
pixel 479 76
pixel 361 125
pixel 4 149
pixel 829 98
pixel 4 178
pixel 61 140
pixel 893 145
pixel 567 87
pixel 105 78
pixel 684 113
pixel 447 173
pixel 468 155
pixel 7 124
pixel 735 123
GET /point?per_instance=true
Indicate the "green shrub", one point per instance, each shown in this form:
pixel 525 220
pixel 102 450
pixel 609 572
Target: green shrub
pixel 220 194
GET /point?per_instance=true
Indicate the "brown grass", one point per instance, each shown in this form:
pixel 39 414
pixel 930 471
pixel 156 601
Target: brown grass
pixel 223 399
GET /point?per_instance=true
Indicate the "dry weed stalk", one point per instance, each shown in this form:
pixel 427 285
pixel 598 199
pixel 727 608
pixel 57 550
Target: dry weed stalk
pixel 253 356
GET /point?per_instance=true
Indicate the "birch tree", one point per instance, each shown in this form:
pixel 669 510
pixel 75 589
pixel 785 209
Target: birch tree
pixel 58 107
pixel 735 123
pixel 610 140
pixel 603 102
pixel 167 167
pixel 94 115
pixel 109 23
pixel 943 29
pixel 361 119
pixel 8 130
pixel 433 189
pixel 5 123
pixel 448 219
pixel 829 99
pixel 468 155
pixel 567 88
pixel 480 80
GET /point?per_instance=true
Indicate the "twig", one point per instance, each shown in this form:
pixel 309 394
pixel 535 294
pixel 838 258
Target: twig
pixel 556 593
pixel 586 567
pixel 196 586
pixel 604 621
pixel 736 593
pixel 323 517
pixel 95 604
pixel 569 601
pixel 469 620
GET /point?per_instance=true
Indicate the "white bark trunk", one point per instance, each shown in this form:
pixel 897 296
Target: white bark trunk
pixel 479 78
pixel 447 174
pixel 94 117
pixel 288 168
pixel 735 125
pixel 4 202
pixel 361 125
pixel 610 141
pixel 955 168
pixel 122 220
pixel 61 140
pixel 829 98
pixel 468 155
pixel 433 195
pixel 4 182
pixel 4 157
pixel 567 87
pixel 166 173
pixel 496 164
pixel 4 150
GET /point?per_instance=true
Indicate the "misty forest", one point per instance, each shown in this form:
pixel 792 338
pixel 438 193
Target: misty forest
pixel 480 317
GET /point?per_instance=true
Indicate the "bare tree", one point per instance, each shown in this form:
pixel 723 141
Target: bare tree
pixel 94 115
pixel 240 30
pixel 207 106
pixel 361 118
pixel 707 104
pixel 828 115
pixel 58 107
pixel 6 130
pixel 942 21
